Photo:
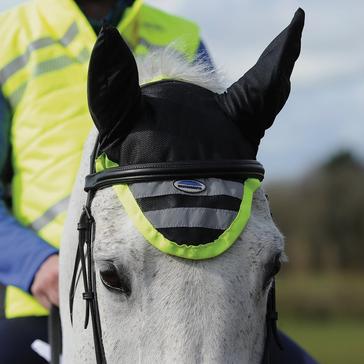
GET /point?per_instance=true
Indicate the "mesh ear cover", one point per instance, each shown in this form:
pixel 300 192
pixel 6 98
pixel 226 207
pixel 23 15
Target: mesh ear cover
pixel 174 121
pixel 255 100
pixel 180 122
pixel 113 86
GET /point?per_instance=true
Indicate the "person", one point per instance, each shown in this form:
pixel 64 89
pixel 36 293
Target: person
pixel 44 121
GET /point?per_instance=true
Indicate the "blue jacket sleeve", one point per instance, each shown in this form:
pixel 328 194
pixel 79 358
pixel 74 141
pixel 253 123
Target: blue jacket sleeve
pixel 203 56
pixel 21 251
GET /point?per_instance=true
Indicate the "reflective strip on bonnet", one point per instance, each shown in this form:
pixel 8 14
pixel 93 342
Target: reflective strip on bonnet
pixel 214 187
pixel 191 217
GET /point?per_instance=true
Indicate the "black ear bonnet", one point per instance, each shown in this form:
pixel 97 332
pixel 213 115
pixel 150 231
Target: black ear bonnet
pixel 171 121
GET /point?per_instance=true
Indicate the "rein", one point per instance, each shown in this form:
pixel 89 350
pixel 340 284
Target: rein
pixel 84 264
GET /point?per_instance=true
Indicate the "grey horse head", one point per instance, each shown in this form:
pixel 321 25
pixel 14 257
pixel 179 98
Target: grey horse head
pixel 156 307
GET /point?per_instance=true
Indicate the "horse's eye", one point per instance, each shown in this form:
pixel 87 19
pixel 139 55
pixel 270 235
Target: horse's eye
pixel 115 280
pixel 271 269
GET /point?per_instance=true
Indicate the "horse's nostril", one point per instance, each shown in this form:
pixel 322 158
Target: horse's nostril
pixel 115 280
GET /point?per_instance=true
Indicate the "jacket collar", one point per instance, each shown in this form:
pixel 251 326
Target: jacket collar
pixel 62 14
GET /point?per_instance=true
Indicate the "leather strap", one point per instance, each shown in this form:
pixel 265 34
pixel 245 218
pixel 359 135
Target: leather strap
pixel 228 169
pixel 84 261
pixel 271 336
pixel 55 335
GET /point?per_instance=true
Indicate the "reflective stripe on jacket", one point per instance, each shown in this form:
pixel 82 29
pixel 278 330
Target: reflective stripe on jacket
pixel 45 51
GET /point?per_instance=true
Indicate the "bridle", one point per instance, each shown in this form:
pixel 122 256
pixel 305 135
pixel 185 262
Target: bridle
pixel 227 169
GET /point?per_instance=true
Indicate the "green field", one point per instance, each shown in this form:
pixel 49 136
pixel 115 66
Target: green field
pixel 324 313
pixel 330 341
pixel 321 296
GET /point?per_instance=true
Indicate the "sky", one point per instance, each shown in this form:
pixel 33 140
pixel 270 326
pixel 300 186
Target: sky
pixel 325 111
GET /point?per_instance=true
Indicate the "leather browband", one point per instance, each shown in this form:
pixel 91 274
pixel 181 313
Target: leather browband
pixel 227 169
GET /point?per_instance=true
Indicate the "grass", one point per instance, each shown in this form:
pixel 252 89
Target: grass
pixel 321 296
pixel 334 341
pixel 324 313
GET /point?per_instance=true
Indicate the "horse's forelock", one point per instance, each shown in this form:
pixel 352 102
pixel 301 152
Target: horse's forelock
pixel 168 63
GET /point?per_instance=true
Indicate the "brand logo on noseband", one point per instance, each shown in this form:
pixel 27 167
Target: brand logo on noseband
pixel 189 186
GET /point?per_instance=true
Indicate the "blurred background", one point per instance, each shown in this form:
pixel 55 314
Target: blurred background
pixel 314 159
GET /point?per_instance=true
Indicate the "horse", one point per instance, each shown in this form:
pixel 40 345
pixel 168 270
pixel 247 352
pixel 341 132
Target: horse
pixel 177 249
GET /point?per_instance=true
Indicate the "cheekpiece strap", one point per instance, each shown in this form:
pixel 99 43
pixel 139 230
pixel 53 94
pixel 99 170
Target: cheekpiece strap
pixel 272 337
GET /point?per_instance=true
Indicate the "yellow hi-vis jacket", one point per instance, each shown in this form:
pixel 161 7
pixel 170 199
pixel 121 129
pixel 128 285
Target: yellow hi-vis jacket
pixel 44 55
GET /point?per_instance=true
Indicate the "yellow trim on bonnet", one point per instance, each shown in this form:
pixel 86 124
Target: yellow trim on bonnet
pixel 203 251
pixel 155 238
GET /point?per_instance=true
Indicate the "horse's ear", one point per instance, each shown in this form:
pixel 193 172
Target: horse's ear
pixel 255 100
pixel 114 94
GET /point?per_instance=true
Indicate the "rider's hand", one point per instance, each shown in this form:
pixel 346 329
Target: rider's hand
pixel 45 284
